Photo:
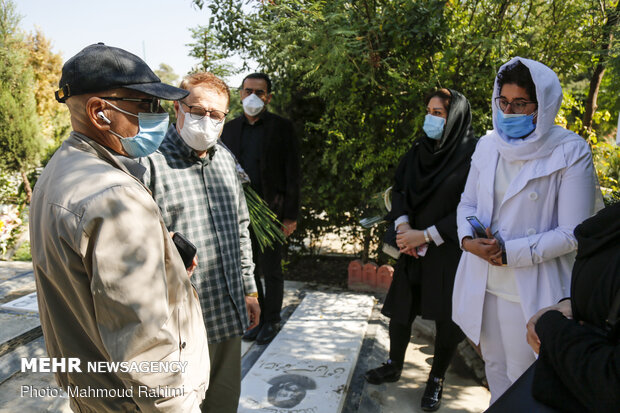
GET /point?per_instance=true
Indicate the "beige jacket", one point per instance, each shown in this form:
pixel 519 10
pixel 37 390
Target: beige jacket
pixel 112 287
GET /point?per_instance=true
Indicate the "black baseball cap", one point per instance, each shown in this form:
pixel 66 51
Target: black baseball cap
pixel 99 67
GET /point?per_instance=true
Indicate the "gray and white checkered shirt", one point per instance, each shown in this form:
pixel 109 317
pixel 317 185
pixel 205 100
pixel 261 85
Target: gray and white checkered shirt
pixel 203 199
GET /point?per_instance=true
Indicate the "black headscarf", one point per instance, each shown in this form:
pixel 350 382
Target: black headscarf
pixel 429 162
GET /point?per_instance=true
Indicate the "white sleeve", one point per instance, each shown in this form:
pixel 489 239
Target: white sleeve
pixel 400 220
pixel 432 231
pixel 468 205
pixel 575 203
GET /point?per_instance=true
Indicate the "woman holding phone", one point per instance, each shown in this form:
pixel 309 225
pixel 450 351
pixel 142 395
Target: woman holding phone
pixel 531 182
pixel 428 184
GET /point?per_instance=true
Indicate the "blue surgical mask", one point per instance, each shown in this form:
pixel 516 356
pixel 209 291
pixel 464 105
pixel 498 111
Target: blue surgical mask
pixel 516 126
pixel 433 126
pixel 152 130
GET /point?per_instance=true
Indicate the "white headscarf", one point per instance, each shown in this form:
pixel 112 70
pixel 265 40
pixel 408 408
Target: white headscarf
pixel 547 135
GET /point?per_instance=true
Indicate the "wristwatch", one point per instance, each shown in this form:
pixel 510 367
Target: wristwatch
pixel 504 258
pixel 254 294
pixel 427 238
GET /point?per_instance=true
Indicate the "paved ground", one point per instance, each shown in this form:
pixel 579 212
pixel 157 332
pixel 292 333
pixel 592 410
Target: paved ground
pixel 462 393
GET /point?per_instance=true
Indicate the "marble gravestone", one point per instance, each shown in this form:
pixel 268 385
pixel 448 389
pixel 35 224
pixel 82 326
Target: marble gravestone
pixel 308 366
pixel 27 303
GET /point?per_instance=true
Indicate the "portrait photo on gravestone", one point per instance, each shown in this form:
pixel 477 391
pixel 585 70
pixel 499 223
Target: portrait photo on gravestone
pixel 288 390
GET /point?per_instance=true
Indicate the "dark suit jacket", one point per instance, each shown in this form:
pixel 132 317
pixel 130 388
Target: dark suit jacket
pixel 279 162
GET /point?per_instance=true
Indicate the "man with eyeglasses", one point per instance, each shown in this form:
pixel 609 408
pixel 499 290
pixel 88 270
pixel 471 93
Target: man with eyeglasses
pixel 268 151
pixel 111 286
pixel 195 183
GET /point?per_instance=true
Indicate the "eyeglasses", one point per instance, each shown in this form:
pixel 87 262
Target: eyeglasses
pixel 518 105
pixel 257 92
pixel 198 112
pixel 154 103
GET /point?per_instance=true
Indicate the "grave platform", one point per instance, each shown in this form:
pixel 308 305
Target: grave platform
pixel 308 366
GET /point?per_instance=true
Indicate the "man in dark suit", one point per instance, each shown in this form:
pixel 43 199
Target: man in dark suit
pixel 268 150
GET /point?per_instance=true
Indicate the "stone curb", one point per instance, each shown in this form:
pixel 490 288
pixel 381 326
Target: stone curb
pixel 369 277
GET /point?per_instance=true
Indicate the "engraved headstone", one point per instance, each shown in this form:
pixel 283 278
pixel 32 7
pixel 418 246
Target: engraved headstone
pixel 308 366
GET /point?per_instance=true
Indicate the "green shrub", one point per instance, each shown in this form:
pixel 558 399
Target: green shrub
pixel 23 252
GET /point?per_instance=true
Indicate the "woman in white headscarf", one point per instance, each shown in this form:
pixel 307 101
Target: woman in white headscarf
pixel 531 182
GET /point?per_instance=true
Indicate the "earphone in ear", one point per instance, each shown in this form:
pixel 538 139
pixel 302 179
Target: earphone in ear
pixel 103 117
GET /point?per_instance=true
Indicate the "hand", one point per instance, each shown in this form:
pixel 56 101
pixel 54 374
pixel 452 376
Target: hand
pixel 485 248
pixel 532 338
pixel 191 268
pixel 497 259
pixel 409 239
pixel 413 251
pixel 251 304
pixel 403 226
pixel 288 226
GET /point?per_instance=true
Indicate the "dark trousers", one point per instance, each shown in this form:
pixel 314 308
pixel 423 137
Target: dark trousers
pixel 268 264
pixel 449 335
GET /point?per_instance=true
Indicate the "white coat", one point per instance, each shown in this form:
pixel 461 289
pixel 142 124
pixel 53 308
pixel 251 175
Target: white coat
pixel 555 190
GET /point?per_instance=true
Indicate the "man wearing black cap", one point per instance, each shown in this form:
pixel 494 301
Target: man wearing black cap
pixel 111 285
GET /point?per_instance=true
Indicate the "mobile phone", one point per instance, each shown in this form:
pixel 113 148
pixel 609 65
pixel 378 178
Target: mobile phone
pixel 186 249
pixel 499 238
pixel 479 229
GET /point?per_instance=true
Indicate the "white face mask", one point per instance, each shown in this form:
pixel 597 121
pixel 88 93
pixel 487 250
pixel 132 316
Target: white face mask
pixel 252 105
pixel 200 134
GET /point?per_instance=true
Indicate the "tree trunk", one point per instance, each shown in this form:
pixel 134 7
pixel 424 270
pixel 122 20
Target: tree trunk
pixel 591 101
pixel 599 71
pixel 366 251
pixel 27 187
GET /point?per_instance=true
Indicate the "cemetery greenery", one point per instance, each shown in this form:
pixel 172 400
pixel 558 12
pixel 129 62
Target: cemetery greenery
pixel 351 75
pixel 32 124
